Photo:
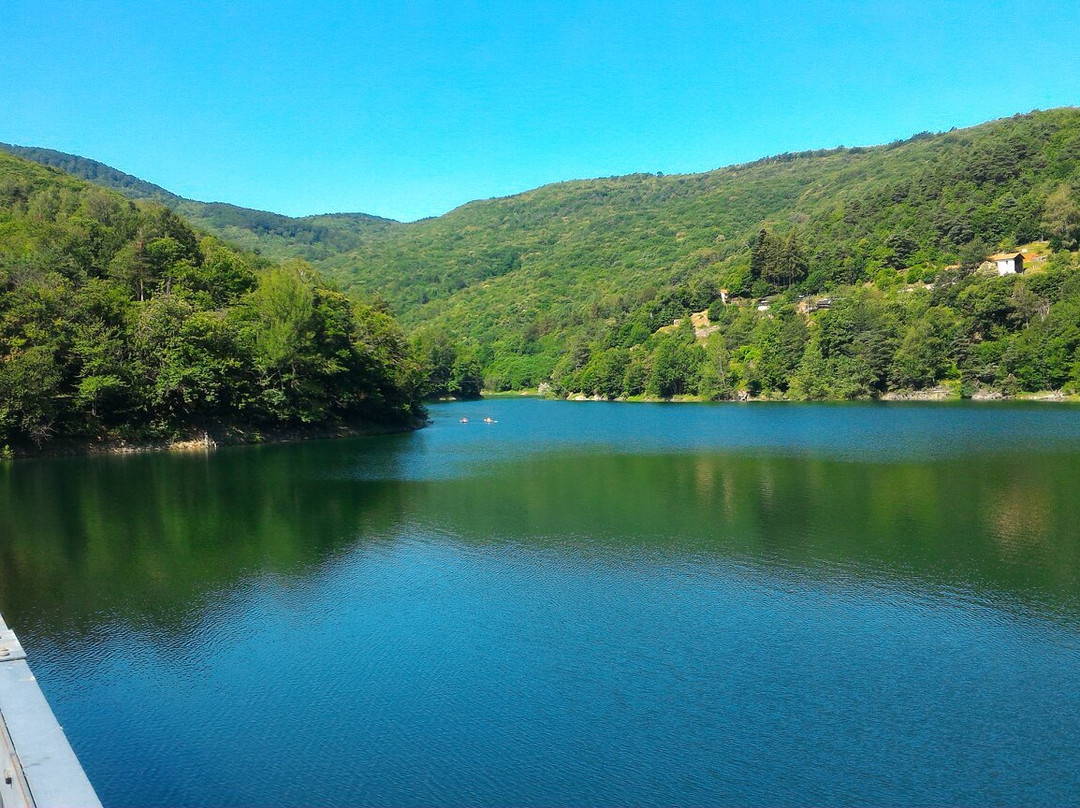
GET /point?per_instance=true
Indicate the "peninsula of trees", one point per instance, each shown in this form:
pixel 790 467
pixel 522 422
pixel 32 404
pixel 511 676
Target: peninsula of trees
pixel 119 321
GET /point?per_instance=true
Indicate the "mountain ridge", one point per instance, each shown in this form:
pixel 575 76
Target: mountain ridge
pixel 266 232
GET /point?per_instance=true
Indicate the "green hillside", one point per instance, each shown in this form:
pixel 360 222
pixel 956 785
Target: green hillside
pixel 577 284
pixel 271 234
pixel 537 286
pixel 118 321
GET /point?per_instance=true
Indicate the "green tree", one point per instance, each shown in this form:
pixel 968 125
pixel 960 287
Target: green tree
pixel 924 355
pixel 764 256
pixel 1061 219
pixel 675 364
pixel 29 405
pixel 791 265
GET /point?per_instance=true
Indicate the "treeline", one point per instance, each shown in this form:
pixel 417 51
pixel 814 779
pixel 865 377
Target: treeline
pixel 119 320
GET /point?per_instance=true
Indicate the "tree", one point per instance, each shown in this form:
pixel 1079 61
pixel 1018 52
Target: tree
pixel 605 372
pixel 900 246
pixel 973 254
pixel 282 304
pixel 29 382
pixel 792 264
pixel 466 377
pixel 714 378
pixel 675 364
pixel 437 354
pixel 1061 219
pixel 131 266
pixel 924 355
pixel 764 255
pixel 776 347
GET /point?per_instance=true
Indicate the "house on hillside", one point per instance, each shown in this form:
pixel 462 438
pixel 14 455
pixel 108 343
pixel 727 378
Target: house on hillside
pixel 1010 263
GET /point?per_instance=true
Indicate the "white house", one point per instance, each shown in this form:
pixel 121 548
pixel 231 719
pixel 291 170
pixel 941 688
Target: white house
pixel 1008 263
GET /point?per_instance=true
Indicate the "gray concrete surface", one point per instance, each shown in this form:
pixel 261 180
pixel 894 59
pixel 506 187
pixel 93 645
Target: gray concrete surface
pixel 38 767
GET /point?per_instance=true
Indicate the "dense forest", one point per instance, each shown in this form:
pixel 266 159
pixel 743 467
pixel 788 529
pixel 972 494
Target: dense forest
pixel 119 321
pixel 841 273
pixel 576 284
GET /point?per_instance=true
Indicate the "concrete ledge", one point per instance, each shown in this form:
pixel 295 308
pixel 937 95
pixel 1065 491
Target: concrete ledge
pixel 39 767
pixel 10 647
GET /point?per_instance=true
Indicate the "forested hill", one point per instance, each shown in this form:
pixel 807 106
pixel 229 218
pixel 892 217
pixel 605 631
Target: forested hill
pixel 574 279
pixel 118 321
pixel 849 272
pixel 271 234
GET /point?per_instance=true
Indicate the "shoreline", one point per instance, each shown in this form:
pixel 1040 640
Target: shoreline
pixel 939 393
pixel 208 440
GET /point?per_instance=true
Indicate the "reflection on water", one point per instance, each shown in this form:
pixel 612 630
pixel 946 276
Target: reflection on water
pixel 144 537
pixel 576 605
pixel 990 524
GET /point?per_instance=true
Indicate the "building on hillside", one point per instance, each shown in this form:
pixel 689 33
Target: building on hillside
pixel 1010 263
pixel 807 305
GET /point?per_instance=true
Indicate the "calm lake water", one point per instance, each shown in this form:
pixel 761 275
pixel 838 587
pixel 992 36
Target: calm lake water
pixel 580 604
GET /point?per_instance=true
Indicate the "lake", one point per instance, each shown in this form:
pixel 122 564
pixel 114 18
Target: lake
pixel 577 604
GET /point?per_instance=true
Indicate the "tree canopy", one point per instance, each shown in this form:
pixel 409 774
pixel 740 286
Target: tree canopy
pixel 119 319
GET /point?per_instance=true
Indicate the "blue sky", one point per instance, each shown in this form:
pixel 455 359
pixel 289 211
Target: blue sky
pixel 410 109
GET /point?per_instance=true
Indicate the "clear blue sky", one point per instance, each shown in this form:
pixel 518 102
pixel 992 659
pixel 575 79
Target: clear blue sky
pixel 410 109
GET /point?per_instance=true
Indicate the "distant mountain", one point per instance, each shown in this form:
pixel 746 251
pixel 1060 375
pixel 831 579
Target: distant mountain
pixel 271 234
pixel 95 172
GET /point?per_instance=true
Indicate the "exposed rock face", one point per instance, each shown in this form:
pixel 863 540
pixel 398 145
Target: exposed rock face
pixel 929 394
